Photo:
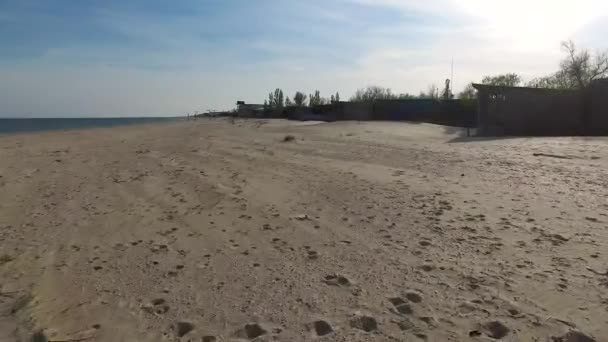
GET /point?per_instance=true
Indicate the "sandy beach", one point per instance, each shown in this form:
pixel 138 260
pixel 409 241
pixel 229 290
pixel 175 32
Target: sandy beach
pixel 213 230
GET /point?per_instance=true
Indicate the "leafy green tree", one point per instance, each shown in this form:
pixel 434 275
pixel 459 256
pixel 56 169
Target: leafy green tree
pixel 316 99
pixel 271 100
pixel 337 98
pixel 278 99
pixel 299 99
pixel 288 102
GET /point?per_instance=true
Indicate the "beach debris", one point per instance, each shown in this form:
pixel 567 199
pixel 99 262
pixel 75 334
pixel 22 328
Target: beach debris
pixel 301 217
pixel 551 156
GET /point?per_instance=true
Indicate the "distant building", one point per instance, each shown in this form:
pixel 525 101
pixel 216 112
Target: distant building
pixel 249 110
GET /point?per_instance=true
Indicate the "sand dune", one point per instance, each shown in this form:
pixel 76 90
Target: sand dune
pixel 215 231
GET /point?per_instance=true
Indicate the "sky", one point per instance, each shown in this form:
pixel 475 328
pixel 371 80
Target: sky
pixel 70 58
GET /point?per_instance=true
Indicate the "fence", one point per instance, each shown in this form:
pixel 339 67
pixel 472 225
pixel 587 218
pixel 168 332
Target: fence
pixel 538 111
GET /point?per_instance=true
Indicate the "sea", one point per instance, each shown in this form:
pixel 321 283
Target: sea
pixel 8 126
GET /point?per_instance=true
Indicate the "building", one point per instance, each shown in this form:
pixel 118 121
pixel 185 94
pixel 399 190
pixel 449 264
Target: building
pixel 245 110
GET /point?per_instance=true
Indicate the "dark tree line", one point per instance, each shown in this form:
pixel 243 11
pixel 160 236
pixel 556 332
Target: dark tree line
pixel 276 99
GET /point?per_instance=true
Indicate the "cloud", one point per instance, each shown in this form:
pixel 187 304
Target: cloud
pixel 143 61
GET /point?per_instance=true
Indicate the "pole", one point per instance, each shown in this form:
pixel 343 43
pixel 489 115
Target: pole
pixel 452 74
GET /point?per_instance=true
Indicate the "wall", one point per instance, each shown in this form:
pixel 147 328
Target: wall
pixel 598 108
pixel 317 113
pixel 406 110
pixel 452 112
pixel 529 111
pixel 360 111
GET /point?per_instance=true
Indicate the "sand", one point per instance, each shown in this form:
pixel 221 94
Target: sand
pixel 209 230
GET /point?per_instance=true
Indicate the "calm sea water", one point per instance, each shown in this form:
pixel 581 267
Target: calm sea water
pixel 8 126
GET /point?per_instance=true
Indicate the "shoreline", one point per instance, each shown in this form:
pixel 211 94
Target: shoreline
pixel 43 125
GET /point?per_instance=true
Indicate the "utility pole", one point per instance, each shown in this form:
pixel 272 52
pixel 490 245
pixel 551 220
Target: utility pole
pixel 452 74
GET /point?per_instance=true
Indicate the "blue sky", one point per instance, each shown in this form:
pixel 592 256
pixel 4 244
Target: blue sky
pixel 153 57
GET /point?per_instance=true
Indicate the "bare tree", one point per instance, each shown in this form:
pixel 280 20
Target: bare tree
pixel 468 93
pixel 576 71
pixel 432 93
pixel 373 93
pixel 581 67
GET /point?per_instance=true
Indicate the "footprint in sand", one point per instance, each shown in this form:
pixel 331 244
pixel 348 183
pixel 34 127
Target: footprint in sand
pixel 364 323
pixel 321 328
pixel 251 331
pixel 493 329
pixel 182 328
pixel 313 255
pixel 157 306
pixel 336 280
pixel 401 305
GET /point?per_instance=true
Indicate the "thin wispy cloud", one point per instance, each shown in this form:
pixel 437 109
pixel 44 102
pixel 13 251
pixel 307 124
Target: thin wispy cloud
pixel 163 58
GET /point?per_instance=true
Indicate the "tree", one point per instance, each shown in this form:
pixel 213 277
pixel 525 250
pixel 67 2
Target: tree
pixel 278 99
pixel 447 92
pixel 266 104
pixel 504 80
pixel 299 99
pixel 577 70
pixel 288 102
pixel 271 100
pixel 337 98
pixel 316 99
pixel 469 93
pixel 373 93
pixel 333 99
pixel 558 80
pixel 432 93
pixel 406 96
pixel 581 67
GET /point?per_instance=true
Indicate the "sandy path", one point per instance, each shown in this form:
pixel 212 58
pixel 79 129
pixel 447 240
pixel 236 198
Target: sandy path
pixel 353 232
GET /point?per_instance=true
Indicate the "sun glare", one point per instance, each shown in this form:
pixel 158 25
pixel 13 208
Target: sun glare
pixel 534 23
